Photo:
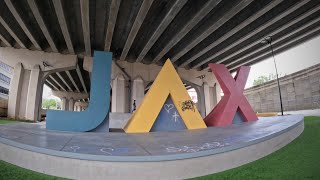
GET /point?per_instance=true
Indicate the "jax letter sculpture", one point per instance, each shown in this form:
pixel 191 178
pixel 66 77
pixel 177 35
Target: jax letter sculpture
pixel 233 100
pixel 167 83
pixel 98 109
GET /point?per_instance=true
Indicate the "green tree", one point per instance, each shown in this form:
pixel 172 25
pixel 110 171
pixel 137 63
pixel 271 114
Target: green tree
pixel 264 79
pixel 261 80
pixel 49 104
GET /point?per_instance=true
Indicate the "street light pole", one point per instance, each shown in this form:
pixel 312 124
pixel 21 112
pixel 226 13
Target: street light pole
pixel 269 41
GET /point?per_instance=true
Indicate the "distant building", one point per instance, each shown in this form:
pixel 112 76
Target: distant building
pixel 5 78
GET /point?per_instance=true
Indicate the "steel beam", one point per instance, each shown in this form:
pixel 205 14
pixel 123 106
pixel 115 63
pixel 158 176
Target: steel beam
pixel 55 87
pixel 226 17
pixel 175 9
pixel 294 44
pixel 11 32
pixel 187 28
pixel 22 24
pixel 5 41
pixel 63 24
pixel 72 80
pixel 64 82
pixel 54 80
pixel 252 33
pixel 291 41
pixel 272 33
pixel 43 27
pixel 114 8
pixel 84 5
pixel 146 4
pixel 230 33
pixel 276 41
pixel 81 79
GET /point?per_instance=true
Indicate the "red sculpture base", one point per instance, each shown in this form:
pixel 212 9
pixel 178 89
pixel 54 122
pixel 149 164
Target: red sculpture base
pixel 233 99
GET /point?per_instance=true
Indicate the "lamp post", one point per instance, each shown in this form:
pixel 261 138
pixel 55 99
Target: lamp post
pixel 268 40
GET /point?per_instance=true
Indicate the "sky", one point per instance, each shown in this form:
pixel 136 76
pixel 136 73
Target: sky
pixel 47 93
pixel 295 59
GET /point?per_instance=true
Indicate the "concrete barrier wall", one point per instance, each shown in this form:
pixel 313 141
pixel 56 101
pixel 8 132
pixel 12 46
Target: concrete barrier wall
pixel 300 91
pixel 78 168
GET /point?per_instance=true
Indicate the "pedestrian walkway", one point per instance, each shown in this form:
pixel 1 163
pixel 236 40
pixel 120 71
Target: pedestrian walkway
pixel 312 112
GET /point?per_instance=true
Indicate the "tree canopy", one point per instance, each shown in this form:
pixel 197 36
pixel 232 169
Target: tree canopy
pixel 49 104
pixel 264 79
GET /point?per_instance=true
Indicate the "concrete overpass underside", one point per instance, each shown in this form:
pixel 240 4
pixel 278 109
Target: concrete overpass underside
pixel 191 33
pixel 142 34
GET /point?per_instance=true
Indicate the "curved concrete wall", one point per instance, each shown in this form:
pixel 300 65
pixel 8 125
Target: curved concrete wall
pixel 300 91
pixel 175 169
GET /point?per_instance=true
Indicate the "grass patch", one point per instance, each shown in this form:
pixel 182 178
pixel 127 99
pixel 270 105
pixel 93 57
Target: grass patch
pixel 298 160
pixel 12 172
pixel 7 121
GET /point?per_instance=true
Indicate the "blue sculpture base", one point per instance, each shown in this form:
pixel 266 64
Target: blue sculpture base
pixel 168 118
pixel 238 119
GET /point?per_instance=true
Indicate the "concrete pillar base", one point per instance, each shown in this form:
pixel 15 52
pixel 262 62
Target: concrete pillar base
pixel 137 92
pixel 71 104
pixel 25 93
pixel 119 95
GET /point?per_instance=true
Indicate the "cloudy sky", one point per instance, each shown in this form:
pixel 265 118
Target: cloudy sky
pixel 293 60
pixel 47 93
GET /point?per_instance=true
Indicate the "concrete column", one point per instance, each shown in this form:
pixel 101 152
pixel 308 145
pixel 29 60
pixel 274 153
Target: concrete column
pixel 71 104
pixel 15 91
pixel 64 104
pixel 217 89
pixel 137 92
pixel 212 95
pixel 34 95
pixel 201 102
pixel 119 94
pixel 207 98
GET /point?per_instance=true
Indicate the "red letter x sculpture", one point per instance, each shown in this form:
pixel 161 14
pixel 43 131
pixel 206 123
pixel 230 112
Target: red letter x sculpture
pixel 233 99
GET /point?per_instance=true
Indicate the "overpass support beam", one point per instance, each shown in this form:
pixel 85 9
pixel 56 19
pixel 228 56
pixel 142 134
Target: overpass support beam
pixel 119 94
pixel 25 93
pixel 64 104
pixel 201 101
pixel 34 95
pixel 69 99
pixel 71 104
pixel 211 96
pixel 80 106
pixel 137 92
pixel 15 91
pixel 28 77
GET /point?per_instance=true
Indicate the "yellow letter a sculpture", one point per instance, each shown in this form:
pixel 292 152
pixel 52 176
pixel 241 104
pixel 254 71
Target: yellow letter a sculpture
pixel 167 83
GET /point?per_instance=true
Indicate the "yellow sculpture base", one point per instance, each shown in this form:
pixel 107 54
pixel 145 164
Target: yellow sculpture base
pixel 167 83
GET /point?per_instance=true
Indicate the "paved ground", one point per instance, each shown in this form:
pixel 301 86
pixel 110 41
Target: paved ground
pixel 156 144
pixel 314 112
